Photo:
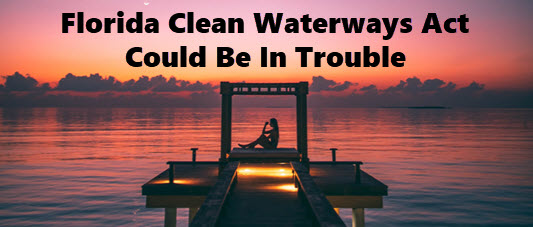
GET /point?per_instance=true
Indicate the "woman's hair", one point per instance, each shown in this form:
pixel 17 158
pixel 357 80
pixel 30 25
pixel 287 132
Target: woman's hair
pixel 274 123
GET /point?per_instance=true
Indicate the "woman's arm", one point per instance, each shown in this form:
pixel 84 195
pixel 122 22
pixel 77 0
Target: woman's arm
pixel 264 128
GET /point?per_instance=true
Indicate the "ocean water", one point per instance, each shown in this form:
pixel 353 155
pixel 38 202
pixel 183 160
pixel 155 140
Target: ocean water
pixel 444 167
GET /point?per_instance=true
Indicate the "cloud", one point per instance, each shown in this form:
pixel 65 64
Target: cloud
pixel 432 85
pixel 94 82
pixel 159 83
pixel 159 91
pixel 432 92
pixel 96 90
pixel 320 83
pixel 370 90
pixel 472 88
pixel 173 85
pixel 18 82
pixel 415 86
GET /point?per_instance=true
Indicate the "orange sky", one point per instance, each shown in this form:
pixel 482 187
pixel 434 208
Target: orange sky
pixel 496 52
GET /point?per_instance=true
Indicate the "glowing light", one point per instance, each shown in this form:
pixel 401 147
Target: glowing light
pixel 176 181
pixel 284 187
pixel 264 172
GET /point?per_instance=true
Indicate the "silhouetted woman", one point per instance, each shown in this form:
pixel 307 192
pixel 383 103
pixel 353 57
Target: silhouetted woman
pixel 268 139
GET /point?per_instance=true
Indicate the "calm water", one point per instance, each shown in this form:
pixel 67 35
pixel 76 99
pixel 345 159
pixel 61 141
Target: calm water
pixel 463 167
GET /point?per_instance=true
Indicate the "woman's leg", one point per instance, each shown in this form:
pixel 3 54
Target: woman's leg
pixel 265 143
pixel 261 140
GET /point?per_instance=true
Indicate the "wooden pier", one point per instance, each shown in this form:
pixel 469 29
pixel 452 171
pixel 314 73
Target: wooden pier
pixel 259 187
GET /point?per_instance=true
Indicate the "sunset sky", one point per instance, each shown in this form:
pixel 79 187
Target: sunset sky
pixel 497 52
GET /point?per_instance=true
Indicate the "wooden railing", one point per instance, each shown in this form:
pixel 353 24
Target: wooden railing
pixel 322 210
pixel 209 212
pixel 356 164
pixel 171 165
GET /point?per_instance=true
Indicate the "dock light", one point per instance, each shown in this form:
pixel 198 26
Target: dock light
pixel 182 181
pixel 284 187
pixel 175 181
pixel 264 172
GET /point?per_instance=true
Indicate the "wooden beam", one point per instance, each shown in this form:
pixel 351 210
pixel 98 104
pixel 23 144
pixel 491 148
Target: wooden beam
pixel 192 213
pixel 358 217
pixel 264 155
pixel 301 127
pixel 170 217
pixel 225 138
pixel 259 88
pixel 173 201
pixel 324 213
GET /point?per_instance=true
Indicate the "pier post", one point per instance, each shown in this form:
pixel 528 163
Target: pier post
pixel 192 213
pixel 358 217
pixel 170 217
pixel 357 173
pixel 301 121
pixel 171 173
pixel 333 154
pixel 194 154
pixel 225 143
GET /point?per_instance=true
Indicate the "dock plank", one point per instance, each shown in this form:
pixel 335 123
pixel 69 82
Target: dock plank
pixel 190 179
pixel 265 196
pixel 208 214
pixel 323 212
pixel 339 179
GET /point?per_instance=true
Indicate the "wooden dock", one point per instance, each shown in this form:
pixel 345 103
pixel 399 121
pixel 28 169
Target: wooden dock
pixel 258 187
pixel 263 194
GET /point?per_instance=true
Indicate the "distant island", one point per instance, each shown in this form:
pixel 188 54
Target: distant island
pixel 418 107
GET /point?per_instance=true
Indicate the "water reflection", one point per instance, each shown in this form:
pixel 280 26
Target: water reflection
pixel 79 166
